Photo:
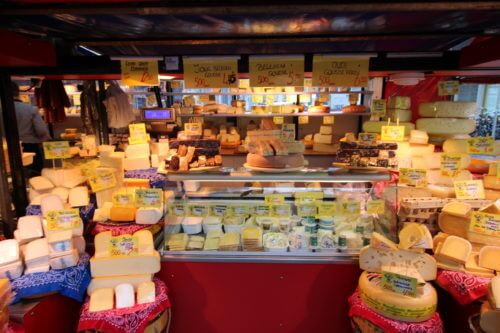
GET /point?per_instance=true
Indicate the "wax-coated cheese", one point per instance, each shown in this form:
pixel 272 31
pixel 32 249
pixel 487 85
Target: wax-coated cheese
pixel 113 281
pixel 62 192
pixel 9 251
pixel 494 292
pixel 124 295
pixel 381 242
pixel 397 306
pixel 435 177
pixel 137 163
pixel 457 208
pixel 440 191
pixel 456 249
pixel 64 261
pixel 425 242
pixel 399 102
pixel 101 300
pixel 490 319
pixel 111 266
pixel 446 125
pixel 41 183
pixel 29 228
pixel 50 202
pixel 136 182
pixel 58 176
pixel 79 196
pixel 401 114
pixel 447 109
pixel 489 257
pixel 74 182
pixel 328 130
pixel 419 137
pixel 376 126
pixel 122 214
pixel 148 215
pixel 491 182
pixel 146 292
pixel 141 149
pixel 323 138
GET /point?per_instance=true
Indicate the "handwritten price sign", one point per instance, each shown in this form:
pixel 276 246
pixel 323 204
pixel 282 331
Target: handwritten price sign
pixel 276 72
pixel 210 73
pixel 140 73
pixel 340 71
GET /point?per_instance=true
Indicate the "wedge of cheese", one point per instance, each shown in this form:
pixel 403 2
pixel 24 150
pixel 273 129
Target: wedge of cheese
pixel 137 163
pixel 418 137
pixel 146 292
pixel 59 176
pixel 381 242
pixel 41 183
pixel 410 235
pixel 457 208
pixel 456 249
pixel 488 257
pixel 454 225
pixel 446 125
pixel 447 109
pixel 440 191
pixel 141 150
pixel 101 300
pixel 491 182
pixel 50 202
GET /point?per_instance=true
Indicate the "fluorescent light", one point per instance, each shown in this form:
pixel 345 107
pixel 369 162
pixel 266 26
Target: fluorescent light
pixel 166 77
pixel 90 50
pixel 414 55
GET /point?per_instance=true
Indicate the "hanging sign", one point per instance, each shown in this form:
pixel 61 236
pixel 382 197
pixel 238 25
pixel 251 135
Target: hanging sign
pixel 379 108
pixel 210 73
pixel 469 189
pixel 448 88
pixel 140 73
pixel 481 145
pixel 328 120
pixel 278 120
pixel 303 120
pixel 138 134
pixel 340 71
pixel 56 149
pixel 276 71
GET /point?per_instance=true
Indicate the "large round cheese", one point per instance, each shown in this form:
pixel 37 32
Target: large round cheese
pixel 397 306
pixel 401 114
pixel 446 125
pixel 278 162
pixel 447 109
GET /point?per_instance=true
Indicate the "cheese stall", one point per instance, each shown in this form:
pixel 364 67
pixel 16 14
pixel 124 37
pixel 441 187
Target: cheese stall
pixel 204 185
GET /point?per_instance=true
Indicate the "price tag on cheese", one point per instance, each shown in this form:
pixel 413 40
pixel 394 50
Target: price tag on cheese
pixel 123 199
pixel 305 98
pixel 307 209
pixel 450 164
pixel 124 245
pixel 323 98
pixel 56 149
pixel 375 207
pixel 400 284
pixel 274 199
pixel 379 108
pixel 303 120
pixel 278 120
pixel 393 133
pixel 204 98
pixel 481 145
pixel 100 180
pixel 413 177
pixel 258 99
pixel 149 197
pixel 138 133
pixel 350 207
pixel 327 208
pixel 217 210
pixel 193 129
pixel 178 209
pixel 281 210
pixel 262 210
pixel 448 88
pixel 308 197
pixel 269 99
pixel 485 223
pixel 367 138
pixel 469 189
pixel 64 219
pixel 239 210
pixel 288 132
pixel 328 120
pixel 198 210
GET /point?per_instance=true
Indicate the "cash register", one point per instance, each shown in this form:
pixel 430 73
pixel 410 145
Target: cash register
pixel 160 121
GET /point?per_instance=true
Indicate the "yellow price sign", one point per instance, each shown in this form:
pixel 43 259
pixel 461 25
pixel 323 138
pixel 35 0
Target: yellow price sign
pixel 400 284
pixel 308 197
pixel 274 199
pixel 469 189
pixel 481 145
pixel 123 199
pixel 327 208
pixel 138 133
pixel 450 164
pixel 340 71
pixel 276 71
pixel 328 120
pixel 258 99
pixel 350 207
pixel 140 73
pixel 269 99
pixel 379 108
pixel 393 133
pixel 217 210
pixel 262 210
pixel 198 210
pixel 100 180
pixel 281 210
pixel 413 177
pixel 448 88
pixel 278 120
pixel 305 98
pixel 485 223
pixel 307 209
pixel 375 207
pixel 210 73
pixel 56 149
pixel 178 209
pixel 239 210
pixel 303 120
pixel 149 197
pixel 64 219
pixel 123 245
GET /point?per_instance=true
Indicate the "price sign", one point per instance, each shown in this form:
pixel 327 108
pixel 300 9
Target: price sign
pixel 281 210
pixel 278 120
pixel 304 210
pixel 450 164
pixel 328 120
pixel 210 72
pixel 193 129
pixel 239 210
pixel 149 197
pixel 375 207
pixel 350 207
pixel 217 210
pixel 481 145
pixel 327 208
pixel 258 99
pixel 123 199
pixel 274 199
pixel 485 224
pixel 469 189
pixel 308 197
pixel 140 73
pixel 367 138
pixel 178 209
pixel 199 210
pixel 56 149
pixel 276 71
pixel 393 133
pixel 413 177
pixel 123 245
pixel 138 133
pixel 288 132
pixel 100 180
pixel 64 219
pixel 269 99
pixel 448 88
pixel 262 210
pixel 339 71
pixel 379 108
pixel 305 98
pixel 303 120
pixel 400 284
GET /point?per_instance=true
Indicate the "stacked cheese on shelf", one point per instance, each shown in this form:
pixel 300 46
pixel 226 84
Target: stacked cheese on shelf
pixel 194 153
pixel 323 141
pixel 492 182
pixel 109 160
pixel 358 154
pixel 11 265
pixel 159 152
pixel 65 183
pixel 417 145
pixel 490 310
pixel 137 157
pixel 406 259
pixel 229 139
pixel 447 120
pixel 399 109
pixel 121 266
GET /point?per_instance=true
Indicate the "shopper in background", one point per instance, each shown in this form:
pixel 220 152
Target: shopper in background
pixel 32 130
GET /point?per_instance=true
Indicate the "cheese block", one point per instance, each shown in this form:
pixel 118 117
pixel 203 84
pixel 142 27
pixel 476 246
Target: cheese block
pixel 148 215
pixel 101 244
pixel 9 251
pixel 35 196
pixel 401 114
pixel 446 125
pixel 399 102
pixel 29 228
pixel 494 292
pixel 105 196
pixel 381 242
pixel 418 162
pixel 41 183
pixel 50 202
pixel 434 177
pixel 397 306
pixel 79 196
pixel 456 249
pixel 491 182
pixel 490 319
pixel 65 261
pixel 406 148
pixel 122 214
pixel 447 109
pixel 12 271
pixel 491 194
pixel 323 138
pixel 376 126
pixel 438 239
pixel 419 137
pixel 146 292
pixel 60 241
pixel 101 300
pixel 155 161
pixel 37 269
pixel 113 281
pixel 58 176
pixel 160 148
pixel 114 160
pixel 472 266
pixel 146 244
pixel 79 244
pixel 372 260
pixel 124 295
pixel 457 208
pixel 136 182
pixel 489 257
pixel 62 192
pixel 139 150
pixel 136 163
pixel 425 242
pixel 440 191
pixel 37 251
pixel 410 235
pixel 112 266
pixel 106 149
pixel 74 182
pixel 328 130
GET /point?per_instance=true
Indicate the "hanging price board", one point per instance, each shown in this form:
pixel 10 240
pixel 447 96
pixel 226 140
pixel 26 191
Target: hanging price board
pixel 123 245
pixel 276 71
pixel 210 72
pixel 56 149
pixel 375 207
pixel 469 189
pixel 485 224
pixel 379 108
pixel 64 219
pixel 100 180
pixel 413 177
pixel 328 120
pixel 140 73
pixel 393 133
pixel 481 145
pixel 149 197
pixel 448 88
pixel 339 71
pixel 303 120
pixel 450 164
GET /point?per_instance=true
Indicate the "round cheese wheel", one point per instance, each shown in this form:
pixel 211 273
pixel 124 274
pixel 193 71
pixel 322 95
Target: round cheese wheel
pixel 397 306
pixel 446 125
pixel 401 114
pixel 278 162
pixel 448 109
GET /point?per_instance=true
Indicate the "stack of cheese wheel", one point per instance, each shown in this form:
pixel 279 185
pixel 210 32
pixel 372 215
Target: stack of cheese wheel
pixel 407 259
pixel 490 310
pixel 447 120
pixel 398 108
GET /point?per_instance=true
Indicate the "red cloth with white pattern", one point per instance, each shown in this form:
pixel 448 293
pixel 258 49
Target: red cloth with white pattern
pixel 358 308
pixel 127 320
pixel 465 288
pixel 117 230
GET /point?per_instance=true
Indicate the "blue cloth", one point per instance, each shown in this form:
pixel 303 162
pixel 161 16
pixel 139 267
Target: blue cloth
pixel 156 180
pixel 86 212
pixel 71 282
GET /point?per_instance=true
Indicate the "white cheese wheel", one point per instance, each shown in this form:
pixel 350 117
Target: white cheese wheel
pixel 397 306
pixel 376 126
pixel 447 109
pixel 401 114
pixel 446 125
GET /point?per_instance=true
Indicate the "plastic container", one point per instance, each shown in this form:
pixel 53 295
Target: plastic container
pixel 211 227
pixel 173 224
pixel 237 228
pixel 192 225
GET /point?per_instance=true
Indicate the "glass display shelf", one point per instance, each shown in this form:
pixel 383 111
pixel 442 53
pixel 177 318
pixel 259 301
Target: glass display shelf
pixel 367 92
pixel 264 115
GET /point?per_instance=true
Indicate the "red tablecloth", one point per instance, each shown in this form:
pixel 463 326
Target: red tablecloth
pixel 127 320
pixel 118 230
pixel 464 287
pixel 358 308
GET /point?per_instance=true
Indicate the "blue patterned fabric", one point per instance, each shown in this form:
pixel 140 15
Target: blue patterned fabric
pixel 86 212
pixel 156 180
pixel 71 282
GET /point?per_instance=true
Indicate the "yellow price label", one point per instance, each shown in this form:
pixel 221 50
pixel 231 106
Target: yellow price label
pixel 100 180
pixel 140 73
pixel 198 210
pixel 327 208
pixel 149 197
pixel 281 210
pixel 123 199
pixel 278 120
pixel 262 210
pixel 178 209
pixel 375 207
pixel 413 177
pixel 65 219
pixel 367 138
pixel 258 99
pixel 308 197
pixel 303 120
pixel 485 223
pixel 481 145
pixel 400 284
pixel 56 149
pixel 307 209
pixel 328 120
pixel 269 99
pixel 448 88
pixel 239 210
pixel 469 189
pixel 274 199
pixel 138 133
pixel 379 108
pixel 123 245
pixel 393 133
pixel 350 207
pixel 305 98
pixel 450 164
pixel 217 210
